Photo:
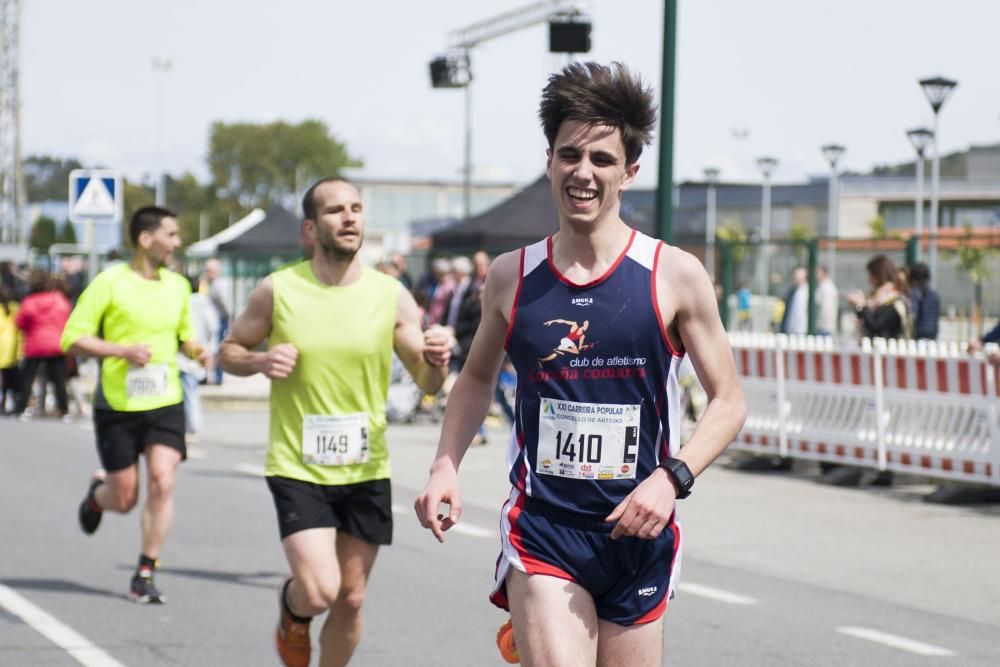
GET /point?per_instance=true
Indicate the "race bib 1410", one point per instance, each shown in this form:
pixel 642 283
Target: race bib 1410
pixel 598 441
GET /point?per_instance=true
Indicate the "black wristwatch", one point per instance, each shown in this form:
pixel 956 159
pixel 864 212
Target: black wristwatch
pixel 680 474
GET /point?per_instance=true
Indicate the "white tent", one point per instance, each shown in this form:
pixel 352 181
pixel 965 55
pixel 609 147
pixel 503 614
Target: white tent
pixel 209 247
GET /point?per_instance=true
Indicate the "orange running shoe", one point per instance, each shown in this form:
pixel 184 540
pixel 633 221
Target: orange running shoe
pixel 505 642
pixel 291 639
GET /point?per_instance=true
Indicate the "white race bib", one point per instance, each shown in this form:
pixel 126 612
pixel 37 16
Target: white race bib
pixel 335 441
pixel 587 440
pixel 146 382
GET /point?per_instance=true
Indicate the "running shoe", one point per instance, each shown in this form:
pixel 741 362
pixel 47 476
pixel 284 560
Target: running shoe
pixel 291 639
pixel 90 513
pixel 143 590
pixel 505 642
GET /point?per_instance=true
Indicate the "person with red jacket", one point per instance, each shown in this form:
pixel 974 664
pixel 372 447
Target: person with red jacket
pixel 42 317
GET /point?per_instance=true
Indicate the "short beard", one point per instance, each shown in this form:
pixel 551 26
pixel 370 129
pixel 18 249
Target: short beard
pixel 335 252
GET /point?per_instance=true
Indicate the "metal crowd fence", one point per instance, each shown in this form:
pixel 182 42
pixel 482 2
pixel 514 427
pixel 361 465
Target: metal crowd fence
pixel 917 407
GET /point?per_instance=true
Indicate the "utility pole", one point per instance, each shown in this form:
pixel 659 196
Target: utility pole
pixel 665 187
pixel 11 176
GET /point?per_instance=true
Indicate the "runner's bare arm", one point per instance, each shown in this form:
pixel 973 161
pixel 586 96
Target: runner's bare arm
pixel 92 346
pixel 236 353
pixel 697 323
pixel 424 353
pixel 470 398
pixel 687 301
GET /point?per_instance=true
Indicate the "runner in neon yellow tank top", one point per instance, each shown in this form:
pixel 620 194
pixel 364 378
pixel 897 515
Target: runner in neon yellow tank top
pixel 331 326
pixel 132 317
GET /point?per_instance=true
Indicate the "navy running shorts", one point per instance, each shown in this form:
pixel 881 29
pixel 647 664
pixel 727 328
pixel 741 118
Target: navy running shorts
pixel 630 578
pixel 123 436
pixel 362 510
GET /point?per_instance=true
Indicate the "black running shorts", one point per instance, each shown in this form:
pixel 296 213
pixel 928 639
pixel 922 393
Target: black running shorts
pixel 362 510
pixel 123 436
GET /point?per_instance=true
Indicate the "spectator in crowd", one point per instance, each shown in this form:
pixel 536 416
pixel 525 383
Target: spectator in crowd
pixel 11 280
pixel 42 317
pixel 10 351
pixel 885 313
pixel 461 272
pixel 74 277
pixel 991 336
pixel 210 288
pixel 205 318
pixel 79 405
pixel 925 303
pixel 398 262
pixel 439 296
pixel 743 303
pixel 796 317
pixel 827 303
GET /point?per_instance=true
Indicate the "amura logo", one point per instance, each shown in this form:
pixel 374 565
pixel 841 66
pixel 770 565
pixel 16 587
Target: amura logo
pixel 649 591
pixel 582 301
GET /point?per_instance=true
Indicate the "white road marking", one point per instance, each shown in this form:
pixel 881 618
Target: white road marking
pixel 251 469
pixel 716 594
pixel 460 528
pixel 63 636
pixel 895 641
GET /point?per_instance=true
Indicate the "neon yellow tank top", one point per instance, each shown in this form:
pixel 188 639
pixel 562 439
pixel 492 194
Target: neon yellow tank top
pixel 344 336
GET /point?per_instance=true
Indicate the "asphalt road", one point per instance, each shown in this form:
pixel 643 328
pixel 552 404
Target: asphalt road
pixel 777 569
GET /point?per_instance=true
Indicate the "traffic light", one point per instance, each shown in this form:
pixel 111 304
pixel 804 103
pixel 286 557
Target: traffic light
pixel 450 71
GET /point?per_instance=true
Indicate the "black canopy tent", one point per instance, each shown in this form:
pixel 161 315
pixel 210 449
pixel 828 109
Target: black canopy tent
pixel 277 235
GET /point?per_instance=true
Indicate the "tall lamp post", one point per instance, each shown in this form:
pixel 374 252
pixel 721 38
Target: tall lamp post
pixel 832 153
pixel 937 90
pixel 767 166
pixel 920 138
pixel 711 179
pixel 161 67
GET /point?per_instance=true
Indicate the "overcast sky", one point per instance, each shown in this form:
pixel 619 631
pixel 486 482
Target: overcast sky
pixel 795 73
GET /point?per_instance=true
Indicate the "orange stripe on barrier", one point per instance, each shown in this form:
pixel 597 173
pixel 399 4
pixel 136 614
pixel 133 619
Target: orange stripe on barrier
pixel 921 375
pixel 901 373
pixel 837 371
pixel 840 450
pixel 963 377
pixel 905 459
pixel 821 448
pixel 968 467
pixel 946 464
pixel 925 462
pixel 859 452
pixel 761 364
pixel 855 369
pixel 818 367
pixel 800 364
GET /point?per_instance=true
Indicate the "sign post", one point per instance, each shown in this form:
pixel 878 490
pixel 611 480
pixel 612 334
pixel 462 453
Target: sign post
pixel 95 196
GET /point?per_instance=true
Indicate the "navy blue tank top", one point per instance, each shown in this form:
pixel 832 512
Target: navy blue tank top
pixel 596 407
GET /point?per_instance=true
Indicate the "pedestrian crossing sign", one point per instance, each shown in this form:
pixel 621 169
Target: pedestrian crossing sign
pixel 95 194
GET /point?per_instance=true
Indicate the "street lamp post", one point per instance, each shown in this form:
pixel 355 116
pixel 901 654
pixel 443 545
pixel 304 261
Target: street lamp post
pixel 919 137
pixel 832 153
pixel 937 90
pixel 711 178
pixel 161 67
pixel 767 166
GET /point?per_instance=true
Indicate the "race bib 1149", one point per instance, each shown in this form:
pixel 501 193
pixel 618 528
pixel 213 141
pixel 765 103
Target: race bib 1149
pixel 335 440
pixel 597 441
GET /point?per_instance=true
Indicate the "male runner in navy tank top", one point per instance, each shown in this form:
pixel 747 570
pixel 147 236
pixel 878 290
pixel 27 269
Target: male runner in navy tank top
pixel 596 320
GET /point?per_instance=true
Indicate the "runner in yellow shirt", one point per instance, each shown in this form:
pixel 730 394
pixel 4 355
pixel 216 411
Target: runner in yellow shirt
pixel 331 325
pixel 131 317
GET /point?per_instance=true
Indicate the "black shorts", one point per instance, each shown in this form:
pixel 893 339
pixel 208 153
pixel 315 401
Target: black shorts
pixel 123 436
pixel 362 510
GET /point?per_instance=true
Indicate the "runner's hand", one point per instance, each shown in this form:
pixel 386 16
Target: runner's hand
pixel 138 354
pixel 646 510
pixel 437 346
pixel 442 487
pixel 204 357
pixel 279 361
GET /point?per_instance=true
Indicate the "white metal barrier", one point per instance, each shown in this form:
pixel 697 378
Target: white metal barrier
pixel 911 406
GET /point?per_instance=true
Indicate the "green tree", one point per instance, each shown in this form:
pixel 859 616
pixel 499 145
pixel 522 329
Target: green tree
pixel 43 234
pixel 66 233
pixel 880 230
pixel 260 164
pixel 47 177
pixel 973 262
pixel 732 231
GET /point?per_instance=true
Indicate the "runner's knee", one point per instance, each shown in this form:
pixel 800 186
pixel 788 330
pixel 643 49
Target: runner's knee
pixel 161 483
pixel 124 496
pixel 321 595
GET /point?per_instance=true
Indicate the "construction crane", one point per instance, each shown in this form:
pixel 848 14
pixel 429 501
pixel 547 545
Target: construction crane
pixel 569 33
pixel 11 177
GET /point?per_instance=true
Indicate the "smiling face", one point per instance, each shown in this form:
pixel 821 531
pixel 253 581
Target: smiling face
pixel 587 168
pixel 338 229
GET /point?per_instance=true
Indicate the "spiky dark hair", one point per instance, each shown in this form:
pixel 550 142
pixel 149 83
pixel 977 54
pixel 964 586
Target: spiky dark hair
pixel 603 95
